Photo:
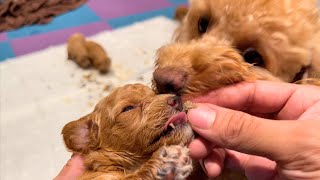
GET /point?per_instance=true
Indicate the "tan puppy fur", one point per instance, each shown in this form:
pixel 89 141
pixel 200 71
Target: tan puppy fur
pixel 180 13
pixel 98 57
pixel 282 36
pixel 128 136
pixel 77 50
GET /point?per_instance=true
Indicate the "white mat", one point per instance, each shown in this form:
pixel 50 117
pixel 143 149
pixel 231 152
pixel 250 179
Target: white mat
pixel 43 91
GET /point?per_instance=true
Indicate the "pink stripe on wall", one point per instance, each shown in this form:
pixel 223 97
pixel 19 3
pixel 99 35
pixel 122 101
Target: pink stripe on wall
pixel 3 36
pixel 107 9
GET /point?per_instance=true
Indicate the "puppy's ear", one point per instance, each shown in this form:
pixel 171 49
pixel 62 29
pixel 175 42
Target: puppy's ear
pixel 82 135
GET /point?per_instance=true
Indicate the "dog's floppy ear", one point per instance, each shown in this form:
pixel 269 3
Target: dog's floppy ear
pixel 82 135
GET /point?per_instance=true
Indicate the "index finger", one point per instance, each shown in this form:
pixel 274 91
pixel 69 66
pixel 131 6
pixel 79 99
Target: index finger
pixel 254 97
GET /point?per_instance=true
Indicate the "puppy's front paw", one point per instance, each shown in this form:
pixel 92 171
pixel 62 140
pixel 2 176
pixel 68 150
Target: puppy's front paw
pixel 176 163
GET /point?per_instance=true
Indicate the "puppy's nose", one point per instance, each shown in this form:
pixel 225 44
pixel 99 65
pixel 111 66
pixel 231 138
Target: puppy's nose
pixel 169 80
pixel 175 102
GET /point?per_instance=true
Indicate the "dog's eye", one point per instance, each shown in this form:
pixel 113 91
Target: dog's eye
pixel 128 108
pixel 203 24
pixel 252 56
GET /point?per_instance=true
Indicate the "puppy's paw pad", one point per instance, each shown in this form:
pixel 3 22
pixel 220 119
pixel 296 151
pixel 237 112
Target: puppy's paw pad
pixel 176 162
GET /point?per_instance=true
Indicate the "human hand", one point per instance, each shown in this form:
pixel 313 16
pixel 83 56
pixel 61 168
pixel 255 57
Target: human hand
pixel 246 138
pixel 72 170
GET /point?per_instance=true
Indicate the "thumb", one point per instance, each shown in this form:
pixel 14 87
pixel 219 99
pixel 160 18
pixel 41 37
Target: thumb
pixel 242 132
pixel 73 169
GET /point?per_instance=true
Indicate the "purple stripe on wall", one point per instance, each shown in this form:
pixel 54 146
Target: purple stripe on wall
pixel 3 36
pixel 41 41
pixel 107 9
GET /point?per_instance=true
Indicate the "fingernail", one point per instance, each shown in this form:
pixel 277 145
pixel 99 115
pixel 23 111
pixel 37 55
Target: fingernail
pixel 201 117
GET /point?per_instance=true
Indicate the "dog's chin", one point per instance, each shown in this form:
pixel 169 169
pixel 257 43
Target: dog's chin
pixel 176 131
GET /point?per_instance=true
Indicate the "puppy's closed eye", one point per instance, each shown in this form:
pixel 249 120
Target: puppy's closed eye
pixel 128 108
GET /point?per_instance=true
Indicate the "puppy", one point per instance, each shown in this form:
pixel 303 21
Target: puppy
pixel 77 50
pixel 98 56
pixel 281 36
pixel 133 134
pixel 87 53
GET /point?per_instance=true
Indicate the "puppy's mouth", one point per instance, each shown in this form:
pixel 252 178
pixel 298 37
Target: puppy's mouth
pixel 174 125
pixel 175 121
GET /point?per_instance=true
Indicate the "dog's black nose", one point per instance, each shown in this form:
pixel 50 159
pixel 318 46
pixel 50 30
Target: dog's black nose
pixel 175 102
pixel 169 80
